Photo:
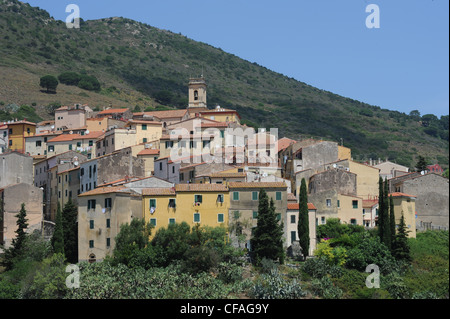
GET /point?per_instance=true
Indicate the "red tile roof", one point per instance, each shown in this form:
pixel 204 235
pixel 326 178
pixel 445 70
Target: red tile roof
pixel 104 190
pixel 71 137
pixel 113 111
pixel 158 191
pixel 257 185
pixel 296 206
pixel 398 194
pixel 201 188
pixel 149 152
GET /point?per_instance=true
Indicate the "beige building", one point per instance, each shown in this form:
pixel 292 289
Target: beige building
pixel 291 233
pixel 149 156
pixel 11 199
pixel 103 124
pixel 85 144
pixel 389 170
pixel 71 117
pixel 405 205
pixel 167 117
pixel 101 211
pixel 37 144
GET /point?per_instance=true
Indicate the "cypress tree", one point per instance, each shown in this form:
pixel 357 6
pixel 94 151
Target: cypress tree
pixel 70 230
pixel 392 220
pixel 58 234
pixel 386 221
pixel 267 237
pixel 303 219
pixel 401 250
pixel 380 209
pixel 13 253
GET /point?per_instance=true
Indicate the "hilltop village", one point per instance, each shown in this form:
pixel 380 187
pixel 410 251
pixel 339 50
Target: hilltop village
pixel 196 165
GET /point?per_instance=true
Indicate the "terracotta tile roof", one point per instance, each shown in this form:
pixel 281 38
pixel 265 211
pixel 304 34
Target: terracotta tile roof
pixel 113 111
pixel 296 206
pixel 370 202
pixel 21 122
pixel 221 110
pixel 398 194
pixel 148 152
pixel 291 196
pixel 104 190
pixel 257 185
pixel 144 122
pixel 227 175
pixel 71 137
pixel 44 134
pixel 208 125
pixel 158 191
pixel 163 114
pixel 201 188
pixel 284 142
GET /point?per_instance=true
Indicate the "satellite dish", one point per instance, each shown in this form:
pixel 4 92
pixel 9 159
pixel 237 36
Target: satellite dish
pixel 75 163
pixel 422 173
pixel 87 132
pixel 334 165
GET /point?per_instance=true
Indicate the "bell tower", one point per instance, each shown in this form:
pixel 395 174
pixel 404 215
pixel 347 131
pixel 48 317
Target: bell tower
pixel 197 92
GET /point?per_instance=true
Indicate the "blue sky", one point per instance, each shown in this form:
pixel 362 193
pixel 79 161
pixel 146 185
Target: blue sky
pixel 403 65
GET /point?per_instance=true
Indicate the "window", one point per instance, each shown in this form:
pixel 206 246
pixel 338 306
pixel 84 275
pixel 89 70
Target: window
pixel 328 202
pixel 339 203
pixel 197 218
pixel 181 176
pixel 145 140
pixel 198 199
pixel 108 242
pixel 353 221
pixel 293 236
pixel 173 169
pixel 38 143
pixel 278 217
pixel 51 148
pixel 82 172
pixel 171 221
pixel 278 196
pixel 254 195
pixel 78 144
pixel 153 203
pixel 235 195
pixel 172 203
pixel 144 127
pixel 292 219
pixel 108 223
pixel 220 218
pixel 160 166
pixel 195 95
pixel 169 144
pixel 91 143
pixel 355 204
pixel 91 203
pixel 70 147
pixel 91 224
pixel 220 198
pixel 255 215
pixel 91 244
pixel 322 220
pixel 108 202
pixel 153 221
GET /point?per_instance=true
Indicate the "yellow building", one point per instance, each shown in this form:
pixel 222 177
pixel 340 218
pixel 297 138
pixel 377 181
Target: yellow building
pixel 17 132
pixel 204 204
pixel 146 131
pixel 405 204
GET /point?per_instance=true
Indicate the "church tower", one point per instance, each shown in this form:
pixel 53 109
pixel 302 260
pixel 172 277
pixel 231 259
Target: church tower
pixel 197 93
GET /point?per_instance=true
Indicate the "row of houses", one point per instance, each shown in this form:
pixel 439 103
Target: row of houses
pixel 197 165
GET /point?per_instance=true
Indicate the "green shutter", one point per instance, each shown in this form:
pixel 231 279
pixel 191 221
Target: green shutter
pixel 255 215
pixel 278 195
pixel 235 195
pixel 254 195
pixel 220 218
pixel 152 203
pixel 196 218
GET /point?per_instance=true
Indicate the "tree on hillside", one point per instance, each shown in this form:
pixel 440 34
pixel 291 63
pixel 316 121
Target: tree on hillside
pixel 18 243
pixel 303 219
pixel 70 231
pixel 267 238
pixel 58 233
pixel 401 250
pixel 421 164
pixel 381 210
pixel 49 82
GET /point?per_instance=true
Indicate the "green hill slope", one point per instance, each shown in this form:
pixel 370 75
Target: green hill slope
pixel 140 65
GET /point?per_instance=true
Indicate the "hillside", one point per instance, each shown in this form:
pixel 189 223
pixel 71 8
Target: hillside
pixel 140 65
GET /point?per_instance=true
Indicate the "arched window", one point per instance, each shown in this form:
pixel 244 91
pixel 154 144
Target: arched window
pixel 196 95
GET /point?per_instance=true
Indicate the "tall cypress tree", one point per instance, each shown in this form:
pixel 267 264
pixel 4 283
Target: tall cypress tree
pixel 58 234
pixel 386 221
pixel 70 230
pixel 392 220
pixel 267 237
pixel 303 219
pixel 13 253
pixel 381 209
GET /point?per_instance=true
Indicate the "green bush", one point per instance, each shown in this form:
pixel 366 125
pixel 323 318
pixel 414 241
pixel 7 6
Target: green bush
pixel 320 267
pixel 69 78
pixel 90 83
pixel 325 288
pixel 274 286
